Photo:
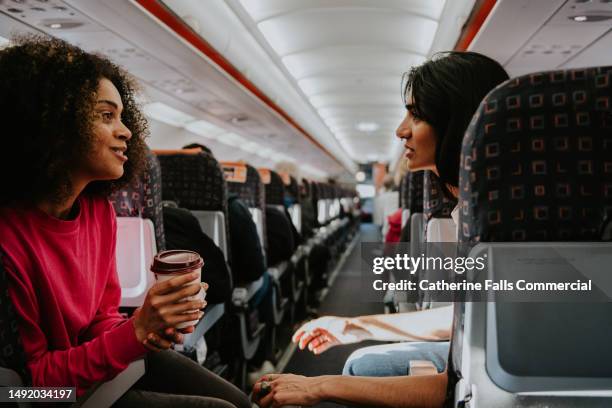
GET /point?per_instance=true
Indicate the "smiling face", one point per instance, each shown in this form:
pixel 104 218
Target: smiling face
pixel 419 139
pixel 106 159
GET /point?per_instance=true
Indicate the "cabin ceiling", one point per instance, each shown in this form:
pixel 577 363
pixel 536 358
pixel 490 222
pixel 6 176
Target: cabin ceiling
pixel 334 66
pixel 544 35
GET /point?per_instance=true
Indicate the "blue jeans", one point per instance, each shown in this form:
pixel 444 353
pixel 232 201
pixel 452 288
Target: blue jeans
pixel 390 360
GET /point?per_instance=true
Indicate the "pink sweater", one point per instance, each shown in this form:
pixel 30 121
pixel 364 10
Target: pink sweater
pixel 64 285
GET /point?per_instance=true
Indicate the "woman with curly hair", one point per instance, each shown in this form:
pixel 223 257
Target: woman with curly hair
pixel 73 134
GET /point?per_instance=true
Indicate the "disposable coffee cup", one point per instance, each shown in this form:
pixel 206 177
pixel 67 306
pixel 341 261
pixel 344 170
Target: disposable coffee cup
pixel 177 262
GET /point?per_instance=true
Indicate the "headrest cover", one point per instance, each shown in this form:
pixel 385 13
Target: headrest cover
pixel 275 188
pixel 414 193
pixel 437 201
pixel 251 192
pixel 143 198
pixel 265 175
pixel 234 172
pixel 193 181
pixel 536 162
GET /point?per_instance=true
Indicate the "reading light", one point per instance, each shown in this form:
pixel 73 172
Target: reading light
pixel 360 176
pixel 591 18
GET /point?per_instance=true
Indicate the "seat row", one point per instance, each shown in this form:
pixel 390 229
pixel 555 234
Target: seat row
pixel 196 181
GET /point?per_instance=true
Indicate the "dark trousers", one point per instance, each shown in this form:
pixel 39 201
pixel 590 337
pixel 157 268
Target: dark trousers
pixel 173 380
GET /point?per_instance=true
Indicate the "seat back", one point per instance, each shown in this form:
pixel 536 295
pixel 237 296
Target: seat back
pixel 194 180
pixel 245 181
pixel 135 251
pixel 536 180
pixel 13 369
pixel 140 232
pixel 143 198
pixel 412 201
pixel 315 196
pixel 273 186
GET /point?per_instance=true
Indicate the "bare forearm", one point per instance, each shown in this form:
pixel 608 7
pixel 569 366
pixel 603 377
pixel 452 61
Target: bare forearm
pixel 393 392
pixel 425 325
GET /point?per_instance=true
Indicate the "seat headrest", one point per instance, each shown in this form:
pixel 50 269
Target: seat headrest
pixel 414 191
pixel 193 180
pixel 251 191
pixel 293 189
pixel 437 201
pixel 143 198
pixel 536 162
pixel 274 187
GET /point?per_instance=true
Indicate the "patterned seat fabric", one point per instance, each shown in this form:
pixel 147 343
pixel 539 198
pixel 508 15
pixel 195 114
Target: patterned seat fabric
pixel 143 198
pixel 194 181
pixel 403 191
pixel 437 201
pixel 252 193
pixel 307 190
pixel 414 191
pixel 12 354
pixel 536 160
pixel 315 192
pixel 275 190
pixel 293 190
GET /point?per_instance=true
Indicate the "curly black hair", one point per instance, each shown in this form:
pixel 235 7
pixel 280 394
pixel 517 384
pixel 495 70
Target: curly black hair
pixel 47 99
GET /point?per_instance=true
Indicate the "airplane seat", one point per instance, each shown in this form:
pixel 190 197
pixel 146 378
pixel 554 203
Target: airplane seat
pixel 438 205
pixel 404 191
pixel 193 180
pixel 292 194
pixel 283 272
pixel 319 256
pixel 13 361
pixel 536 190
pixel 403 302
pixel 140 232
pixel 247 183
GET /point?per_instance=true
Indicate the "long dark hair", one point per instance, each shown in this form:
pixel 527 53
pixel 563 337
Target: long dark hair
pixel 446 92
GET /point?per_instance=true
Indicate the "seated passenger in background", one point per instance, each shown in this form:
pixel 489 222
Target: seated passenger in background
pixel 73 135
pixel 440 96
pixel 182 230
pixel 280 234
pixel 247 261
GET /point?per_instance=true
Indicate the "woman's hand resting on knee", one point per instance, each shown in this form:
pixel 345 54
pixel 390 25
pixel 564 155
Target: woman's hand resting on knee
pixel 277 390
pixel 321 334
pixel 155 322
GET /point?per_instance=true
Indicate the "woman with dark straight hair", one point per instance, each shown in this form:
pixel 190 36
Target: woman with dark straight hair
pixel 440 97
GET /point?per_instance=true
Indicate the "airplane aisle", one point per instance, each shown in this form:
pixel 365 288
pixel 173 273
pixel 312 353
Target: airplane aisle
pixel 337 303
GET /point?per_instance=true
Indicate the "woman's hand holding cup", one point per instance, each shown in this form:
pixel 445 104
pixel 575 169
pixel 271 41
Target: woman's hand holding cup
pixel 164 309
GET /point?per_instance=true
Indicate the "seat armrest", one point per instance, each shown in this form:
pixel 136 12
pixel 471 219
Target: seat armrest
pixel 9 378
pixel 277 271
pixel 242 295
